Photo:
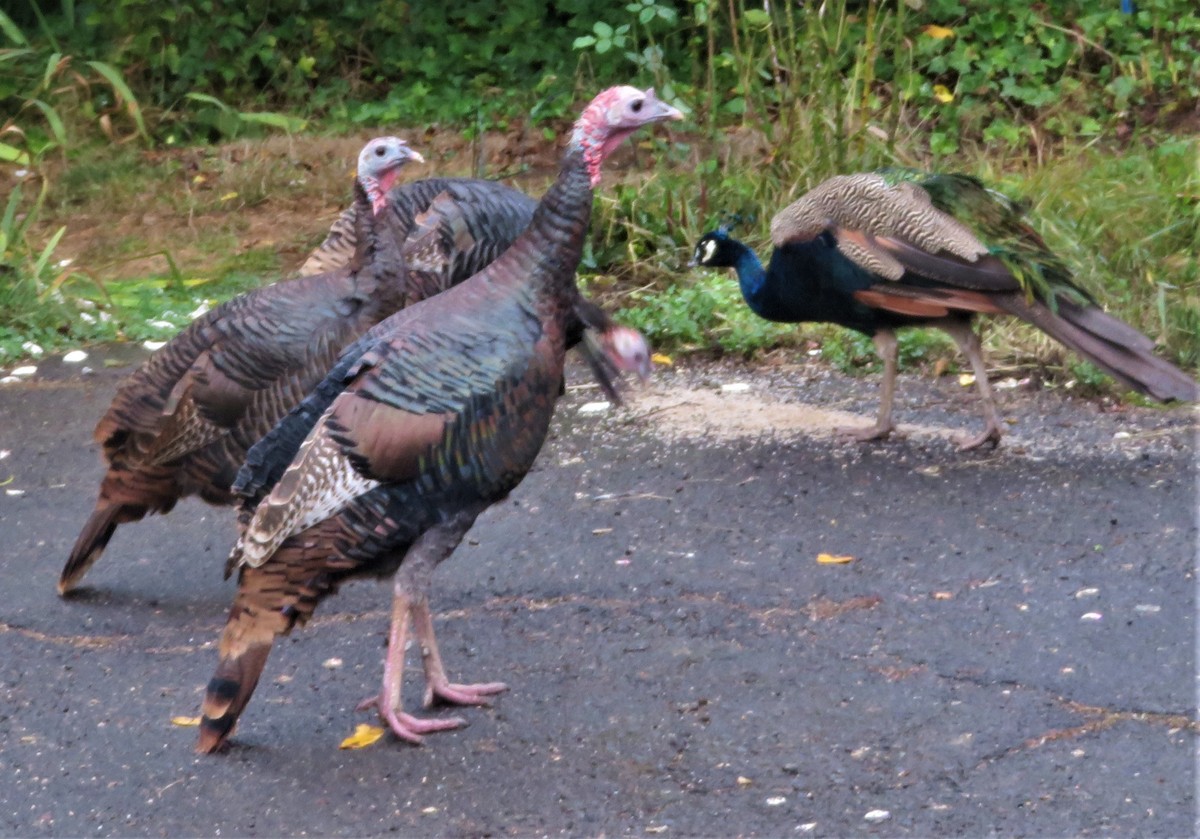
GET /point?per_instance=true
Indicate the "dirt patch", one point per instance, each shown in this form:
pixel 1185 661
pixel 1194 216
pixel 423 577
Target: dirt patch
pixel 739 409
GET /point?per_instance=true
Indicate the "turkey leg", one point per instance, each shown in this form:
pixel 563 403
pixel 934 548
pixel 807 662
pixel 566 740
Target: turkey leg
pixel 388 701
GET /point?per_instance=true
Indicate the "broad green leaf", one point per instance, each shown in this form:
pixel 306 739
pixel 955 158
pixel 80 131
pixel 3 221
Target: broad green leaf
pixel 11 30
pixel 114 78
pixel 48 251
pixel 52 67
pixel 208 100
pixel 54 120
pixel 280 121
pixel 12 154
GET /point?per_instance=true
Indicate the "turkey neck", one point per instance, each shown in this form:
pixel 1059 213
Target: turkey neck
pixel 378 267
pixel 544 257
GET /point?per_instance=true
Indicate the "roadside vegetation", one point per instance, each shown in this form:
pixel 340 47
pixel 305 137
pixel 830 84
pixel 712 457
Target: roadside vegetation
pixel 147 112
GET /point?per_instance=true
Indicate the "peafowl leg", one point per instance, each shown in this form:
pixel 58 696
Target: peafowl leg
pixel 388 701
pixel 888 350
pixel 437 685
pixel 968 342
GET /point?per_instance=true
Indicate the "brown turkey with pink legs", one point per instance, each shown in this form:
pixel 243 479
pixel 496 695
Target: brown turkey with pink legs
pixel 435 414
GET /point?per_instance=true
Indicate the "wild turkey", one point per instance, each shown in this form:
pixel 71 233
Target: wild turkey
pixel 875 252
pixel 181 424
pixel 475 221
pixel 434 415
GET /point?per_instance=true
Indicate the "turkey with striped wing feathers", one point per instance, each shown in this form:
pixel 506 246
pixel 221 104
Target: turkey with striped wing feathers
pixel 181 424
pixel 876 252
pixel 430 418
pixel 461 225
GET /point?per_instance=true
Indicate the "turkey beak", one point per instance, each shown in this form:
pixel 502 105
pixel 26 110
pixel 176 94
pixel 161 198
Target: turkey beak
pixel 656 110
pixel 415 156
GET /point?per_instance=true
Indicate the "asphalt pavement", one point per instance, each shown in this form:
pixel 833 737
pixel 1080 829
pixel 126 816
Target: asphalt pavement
pixel 1010 649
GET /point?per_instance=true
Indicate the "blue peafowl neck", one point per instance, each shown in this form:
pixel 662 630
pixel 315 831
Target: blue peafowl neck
pixel 752 276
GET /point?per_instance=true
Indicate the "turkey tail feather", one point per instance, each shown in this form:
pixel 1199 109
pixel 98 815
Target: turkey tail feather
pixel 1110 344
pixel 90 543
pixel 227 693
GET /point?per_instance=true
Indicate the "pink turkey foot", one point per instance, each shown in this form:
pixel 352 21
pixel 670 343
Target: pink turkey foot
pixel 451 694
pixel 406 726
pixel 991 434
pixel 866 435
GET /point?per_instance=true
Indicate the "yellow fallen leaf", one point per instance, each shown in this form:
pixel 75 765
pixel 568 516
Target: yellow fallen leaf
pixel 200 179
pixel 185 721
pixel 830 559
pixel 363 736
pixel 229 196
pixel 935 31
pixel 659 358
pixel 942 93
pixel 966 380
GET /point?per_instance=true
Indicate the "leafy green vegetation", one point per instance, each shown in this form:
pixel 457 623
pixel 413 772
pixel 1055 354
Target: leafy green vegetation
pixel 1088 113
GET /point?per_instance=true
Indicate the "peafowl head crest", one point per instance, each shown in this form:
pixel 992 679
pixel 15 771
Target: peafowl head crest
pixel 379 164
pixel 611 117
pixel 717 248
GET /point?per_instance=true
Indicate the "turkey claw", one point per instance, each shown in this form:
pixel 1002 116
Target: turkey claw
pixel 406 726
pixel 451 694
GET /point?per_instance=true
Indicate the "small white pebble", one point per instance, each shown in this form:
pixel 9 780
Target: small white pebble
pixel 21 173
pixel 1090 616
pixel 202 309
pixel 593 408
pixel 154 345
pixel 776 800
pixel 736 387
pixel 807 827
pixel 86 318
pixel 27 370
pixel 75 356
pixel 1143 608
pixel 162 324
pixel 1006 384
pixel 877 816
pixel 1087 592
pixel 63 263
pixel 331 663
pixel 1122 435
pixel 33 349
pixel 9 380
pixel 1078 753
pixel 5 453
pixel 15 493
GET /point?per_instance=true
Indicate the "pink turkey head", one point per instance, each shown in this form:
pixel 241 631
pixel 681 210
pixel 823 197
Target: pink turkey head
pixel 379 164
pixel 627 349
pixel 611 117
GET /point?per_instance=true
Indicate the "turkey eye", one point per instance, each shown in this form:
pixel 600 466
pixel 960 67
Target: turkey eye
pixel 636 106
pixel 380 151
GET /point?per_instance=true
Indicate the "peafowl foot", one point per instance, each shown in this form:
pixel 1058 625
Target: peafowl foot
pixel 451 694
pixel 991 434
pixel 406 726
pixel 868 434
